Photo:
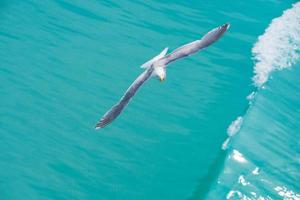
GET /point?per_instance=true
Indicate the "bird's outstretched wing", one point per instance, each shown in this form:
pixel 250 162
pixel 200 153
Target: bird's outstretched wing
pixel 115 111
pixel 195 46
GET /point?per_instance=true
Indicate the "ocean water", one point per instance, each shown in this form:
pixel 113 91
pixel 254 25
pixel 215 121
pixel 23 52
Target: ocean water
pixel 224 124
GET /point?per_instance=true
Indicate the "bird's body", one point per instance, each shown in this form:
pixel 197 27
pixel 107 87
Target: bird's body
pixel 157 67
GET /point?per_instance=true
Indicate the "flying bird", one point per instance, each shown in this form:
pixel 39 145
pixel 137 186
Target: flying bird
pixel 156 67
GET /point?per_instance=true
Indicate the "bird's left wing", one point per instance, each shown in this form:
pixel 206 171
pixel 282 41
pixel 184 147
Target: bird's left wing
pixel 195 46
pixel 115 111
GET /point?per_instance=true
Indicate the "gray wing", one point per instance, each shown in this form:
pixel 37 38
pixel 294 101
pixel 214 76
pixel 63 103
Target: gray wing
pixel 195 46
pixel 115 111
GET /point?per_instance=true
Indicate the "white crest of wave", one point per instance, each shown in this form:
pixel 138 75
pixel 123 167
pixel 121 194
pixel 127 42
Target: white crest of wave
pixel 235 126
pixel 278 47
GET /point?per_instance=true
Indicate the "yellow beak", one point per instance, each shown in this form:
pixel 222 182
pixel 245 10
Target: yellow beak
pixel 161 78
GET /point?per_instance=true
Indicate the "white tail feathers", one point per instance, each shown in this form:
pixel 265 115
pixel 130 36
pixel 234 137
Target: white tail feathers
pixel 159 56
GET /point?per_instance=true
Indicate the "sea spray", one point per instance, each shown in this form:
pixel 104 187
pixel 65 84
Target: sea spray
pixel 278 47
pixel 233 128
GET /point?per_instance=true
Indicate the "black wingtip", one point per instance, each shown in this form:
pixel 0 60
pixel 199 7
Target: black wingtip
pixel 102 123
pixel 99 125
pixel 226 26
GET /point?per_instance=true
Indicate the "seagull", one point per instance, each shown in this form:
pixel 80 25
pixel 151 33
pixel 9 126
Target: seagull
pixel 156 67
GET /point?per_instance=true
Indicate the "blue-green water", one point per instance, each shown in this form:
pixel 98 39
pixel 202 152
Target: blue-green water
pixel 64 63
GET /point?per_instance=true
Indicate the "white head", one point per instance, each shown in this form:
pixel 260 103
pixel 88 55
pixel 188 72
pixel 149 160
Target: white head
pixel 160 72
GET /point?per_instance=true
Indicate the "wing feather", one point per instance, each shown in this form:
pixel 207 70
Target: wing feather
pixel 195 46
pixel 116 110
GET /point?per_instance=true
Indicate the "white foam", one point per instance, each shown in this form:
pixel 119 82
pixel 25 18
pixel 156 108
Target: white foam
pixel 251 96
pixel 242 180
pixel 236 155
pixel 278 47
pixel 235 194
pixel 225 144
pixel 235 126
pixel 256 171
pixel 286 193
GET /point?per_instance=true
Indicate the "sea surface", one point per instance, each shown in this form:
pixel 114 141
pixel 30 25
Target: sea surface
pixel 224 124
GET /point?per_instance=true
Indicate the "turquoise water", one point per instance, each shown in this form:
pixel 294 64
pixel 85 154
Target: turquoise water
pixel 64 63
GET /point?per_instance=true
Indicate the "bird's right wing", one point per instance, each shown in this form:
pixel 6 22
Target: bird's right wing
pixel 115 111
pixel 195 46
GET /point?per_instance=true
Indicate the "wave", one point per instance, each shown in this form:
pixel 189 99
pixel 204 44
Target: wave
pixel 266 169
pixel 278 48
pixel 260 164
